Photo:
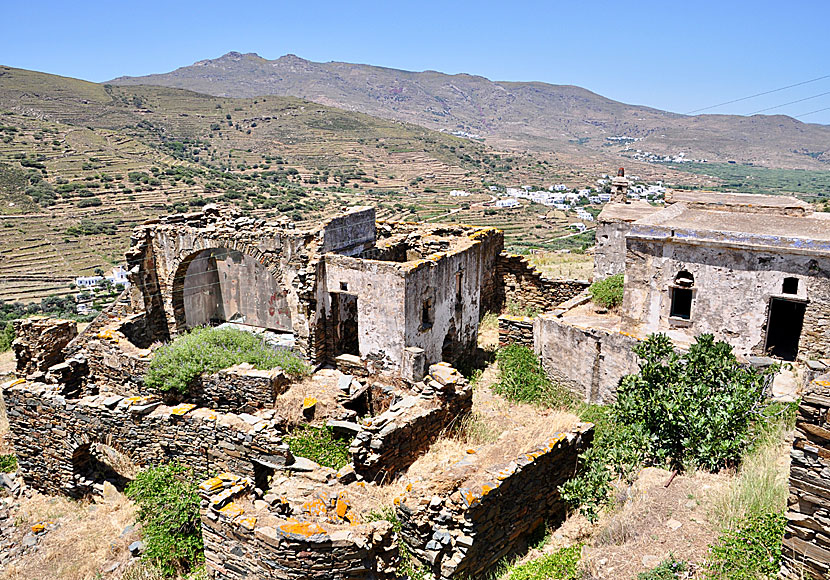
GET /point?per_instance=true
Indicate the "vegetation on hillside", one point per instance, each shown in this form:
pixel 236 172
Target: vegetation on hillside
pixel 204 350
pixel 522 379
pixel 683 411
pixel 320 445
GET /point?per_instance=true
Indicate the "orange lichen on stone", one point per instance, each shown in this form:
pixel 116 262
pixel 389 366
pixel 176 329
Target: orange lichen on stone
pixel 309 402
pixel 823 383
pixel 17 382
pixel 182 409
pixel 302 528
pixel 227 476
pixel 315 507
pixel 231 511
pixel 248 523
pixel 342 506
pixel 211 484
pixel 38 527
pixel 108 334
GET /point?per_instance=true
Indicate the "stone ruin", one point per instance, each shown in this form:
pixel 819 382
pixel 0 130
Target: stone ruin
pixel 381 311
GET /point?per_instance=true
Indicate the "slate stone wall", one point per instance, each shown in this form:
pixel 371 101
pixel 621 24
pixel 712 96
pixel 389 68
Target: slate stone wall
pixel 466 531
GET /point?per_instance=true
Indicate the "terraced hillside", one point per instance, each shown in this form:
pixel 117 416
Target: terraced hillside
pixel 82 163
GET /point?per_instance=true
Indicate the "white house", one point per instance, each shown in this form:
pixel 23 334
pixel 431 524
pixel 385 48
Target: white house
pixel 87 281
pixel 506 203
pixel 118 277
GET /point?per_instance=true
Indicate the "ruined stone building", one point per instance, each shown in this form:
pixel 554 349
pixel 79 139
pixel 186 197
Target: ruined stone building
pixel 379 310
pixel 402 296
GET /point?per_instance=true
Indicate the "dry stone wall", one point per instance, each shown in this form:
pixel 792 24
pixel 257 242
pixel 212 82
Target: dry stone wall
pixel 463 533
pixel 515 330
pixel 397 437
pixel 806 548
pixel 39 343
pixel 247 539
pixel 240 388
pixel 52 435
pixel 525 286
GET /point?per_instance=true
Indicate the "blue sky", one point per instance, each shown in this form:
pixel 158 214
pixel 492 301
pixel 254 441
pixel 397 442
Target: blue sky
pixel 679 56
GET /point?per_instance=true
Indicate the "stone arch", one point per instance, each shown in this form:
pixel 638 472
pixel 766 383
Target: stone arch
pixel 95 460
pixel 243 283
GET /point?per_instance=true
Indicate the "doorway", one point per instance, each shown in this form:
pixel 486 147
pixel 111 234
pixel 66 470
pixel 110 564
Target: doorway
pixel 786 317
pixel 344 322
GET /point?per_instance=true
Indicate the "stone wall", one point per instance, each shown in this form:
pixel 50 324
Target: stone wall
pixel 589 361
pixel 245 539
pixel 806 549
pixel 240 388
pixel 398 436
pixel 116 365
pixel 609 254
pixel 51 436
pixel 528 288
pixel 748 277
pixel 39 343
pixel 515 330
pixel 489 510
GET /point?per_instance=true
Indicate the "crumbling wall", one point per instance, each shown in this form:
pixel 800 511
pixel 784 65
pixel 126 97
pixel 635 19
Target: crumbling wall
pixel 515 330
pixel 51 435
pixel 731 293
pixel 244 539
pixel 589 361
pixel 468 529
pixel 609 254
pixel 380 291
pixel 806 548
pixel 396 438
pixel 115 364
pixel 525 286
pixel 39 343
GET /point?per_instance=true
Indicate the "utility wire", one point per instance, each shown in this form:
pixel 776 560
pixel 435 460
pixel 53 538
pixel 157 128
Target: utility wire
pixel 758 95
pixel 790 103
pixel 811 112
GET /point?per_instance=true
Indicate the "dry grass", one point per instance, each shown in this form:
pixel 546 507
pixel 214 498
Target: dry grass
pixel 88 538
pixel 644 530
pixel 564 266
pixel 487 441
pixel 321 386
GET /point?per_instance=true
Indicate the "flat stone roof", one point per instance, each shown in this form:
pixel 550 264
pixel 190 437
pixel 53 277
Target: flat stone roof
pixel 627 212
pixel 739 201
pixel 684 224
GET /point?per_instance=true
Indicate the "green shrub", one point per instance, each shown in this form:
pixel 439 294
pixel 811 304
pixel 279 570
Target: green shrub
pixel 699 409
pixel 522 379
pixel 8 463
pixel 168 510
pixel 320 445
pixel 560 565
pixel 751 551
pixel 608 293
pixel 694 409
pixel 515 309
pixel 177 365
pixel 668 569
pixel 6 336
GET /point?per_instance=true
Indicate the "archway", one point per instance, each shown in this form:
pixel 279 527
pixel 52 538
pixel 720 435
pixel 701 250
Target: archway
pixel 95 463
pixel 219 285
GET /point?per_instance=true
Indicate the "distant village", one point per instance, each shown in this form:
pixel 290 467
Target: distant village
pixel 570 199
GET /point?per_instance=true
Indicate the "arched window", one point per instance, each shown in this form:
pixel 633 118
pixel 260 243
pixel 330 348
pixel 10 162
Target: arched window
pixel 681 295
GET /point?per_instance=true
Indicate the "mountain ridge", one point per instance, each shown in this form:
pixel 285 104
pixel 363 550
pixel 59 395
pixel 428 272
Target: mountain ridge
pixel 529 115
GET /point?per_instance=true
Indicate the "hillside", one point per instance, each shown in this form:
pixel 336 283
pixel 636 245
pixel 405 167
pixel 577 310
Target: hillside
pixel 519 115
pixel 83 163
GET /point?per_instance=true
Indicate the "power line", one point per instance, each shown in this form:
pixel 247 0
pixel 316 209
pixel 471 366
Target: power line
pixel 758 95
pixel 790 103
pixel 811 112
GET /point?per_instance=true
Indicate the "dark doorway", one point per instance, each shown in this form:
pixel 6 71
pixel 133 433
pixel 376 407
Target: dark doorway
pixel 344 320
pixel 95 463
pixel 786 317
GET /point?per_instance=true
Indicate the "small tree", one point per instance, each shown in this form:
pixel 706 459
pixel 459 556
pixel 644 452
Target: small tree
pixel 168 510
